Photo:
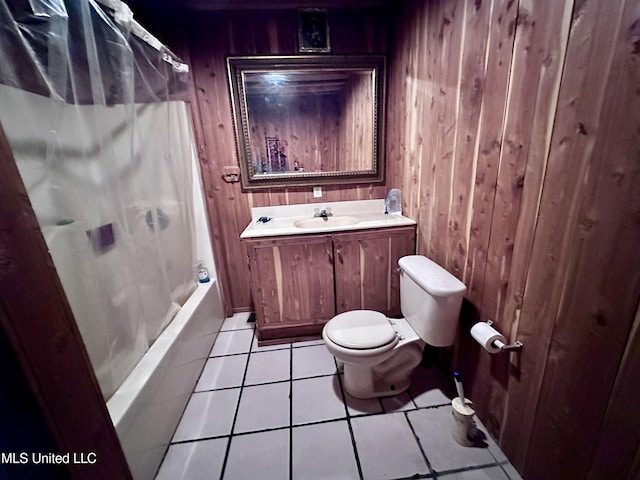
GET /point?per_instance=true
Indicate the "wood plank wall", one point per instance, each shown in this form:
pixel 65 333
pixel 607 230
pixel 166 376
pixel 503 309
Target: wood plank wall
pixel 357 115
pixel 309 135
pixel 514 132
pixel 209 38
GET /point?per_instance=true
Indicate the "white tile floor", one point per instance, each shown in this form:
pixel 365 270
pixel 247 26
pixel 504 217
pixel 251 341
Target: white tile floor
pixel 280 413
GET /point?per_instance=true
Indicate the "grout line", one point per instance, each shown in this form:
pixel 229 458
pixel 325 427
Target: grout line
pixel 416 476
pixel 348 417
pixel 235 416
pixel 319 422
pixel 200 439
pixel 237 329
pixel 272 348
pixel 272 382
pixel 467 469
pixel 221 389
pixel 242 434
pixel 290 412
pixel 417 439
pixel 314 376
pixel 300 345
pixel 237 354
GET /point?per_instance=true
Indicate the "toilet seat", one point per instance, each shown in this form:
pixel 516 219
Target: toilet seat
pixel 361 330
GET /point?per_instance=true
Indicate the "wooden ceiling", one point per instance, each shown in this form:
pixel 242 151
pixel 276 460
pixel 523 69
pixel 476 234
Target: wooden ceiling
pixel 148 6
pixel 280 4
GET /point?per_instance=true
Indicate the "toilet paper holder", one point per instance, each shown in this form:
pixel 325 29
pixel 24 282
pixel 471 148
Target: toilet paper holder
pixel 506 347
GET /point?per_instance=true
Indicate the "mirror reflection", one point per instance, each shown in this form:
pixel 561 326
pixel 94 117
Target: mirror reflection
pixel 299 120
pixel 307 119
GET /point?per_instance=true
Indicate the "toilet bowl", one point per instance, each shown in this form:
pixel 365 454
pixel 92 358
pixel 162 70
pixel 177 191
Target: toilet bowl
pixel 378 354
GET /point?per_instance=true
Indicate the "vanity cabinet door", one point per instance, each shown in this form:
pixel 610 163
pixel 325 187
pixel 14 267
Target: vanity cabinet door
pixel 366 264
pixel 291 285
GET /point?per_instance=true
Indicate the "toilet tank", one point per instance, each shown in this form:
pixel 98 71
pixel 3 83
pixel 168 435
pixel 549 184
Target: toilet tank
pixel 430 299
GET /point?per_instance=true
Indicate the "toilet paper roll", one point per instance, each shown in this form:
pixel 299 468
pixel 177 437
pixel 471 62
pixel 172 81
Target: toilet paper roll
pixel 485 335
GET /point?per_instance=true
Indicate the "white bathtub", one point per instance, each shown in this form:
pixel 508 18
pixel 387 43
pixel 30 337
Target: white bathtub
pixel 148 405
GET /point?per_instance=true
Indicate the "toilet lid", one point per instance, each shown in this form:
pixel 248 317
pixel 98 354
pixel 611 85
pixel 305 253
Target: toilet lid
pixel 360 329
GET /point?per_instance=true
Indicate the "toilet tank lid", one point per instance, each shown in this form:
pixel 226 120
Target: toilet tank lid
pixel 430 276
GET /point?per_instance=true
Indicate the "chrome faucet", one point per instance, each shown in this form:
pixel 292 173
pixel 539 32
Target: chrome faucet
pixel 325 213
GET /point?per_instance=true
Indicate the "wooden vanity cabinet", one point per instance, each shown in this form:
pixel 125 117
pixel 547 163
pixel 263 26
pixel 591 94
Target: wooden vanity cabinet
pixel 366 268
pixel 291 284
pixel 299 282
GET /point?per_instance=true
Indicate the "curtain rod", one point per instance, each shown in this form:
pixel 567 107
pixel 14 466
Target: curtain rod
pixel 123 16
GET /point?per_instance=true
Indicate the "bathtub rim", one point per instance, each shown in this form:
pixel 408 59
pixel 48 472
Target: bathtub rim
pixel 125 397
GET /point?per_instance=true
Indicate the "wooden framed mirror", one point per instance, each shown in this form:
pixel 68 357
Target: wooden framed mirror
pixel 308 120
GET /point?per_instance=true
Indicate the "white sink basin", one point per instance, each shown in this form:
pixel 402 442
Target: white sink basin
pixel 326 222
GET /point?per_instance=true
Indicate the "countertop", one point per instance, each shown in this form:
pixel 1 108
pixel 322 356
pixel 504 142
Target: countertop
pixel 367 214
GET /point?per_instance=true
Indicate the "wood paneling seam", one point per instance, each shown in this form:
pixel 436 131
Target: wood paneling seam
pixel 277 262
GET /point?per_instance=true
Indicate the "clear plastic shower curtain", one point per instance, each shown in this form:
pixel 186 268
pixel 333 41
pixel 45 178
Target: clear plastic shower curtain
pixel 106 157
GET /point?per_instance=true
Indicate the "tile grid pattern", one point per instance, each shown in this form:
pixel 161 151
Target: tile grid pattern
pixel 280 412
pixel 346 410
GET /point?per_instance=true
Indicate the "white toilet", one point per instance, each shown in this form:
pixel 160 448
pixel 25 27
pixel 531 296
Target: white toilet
pixel 378 353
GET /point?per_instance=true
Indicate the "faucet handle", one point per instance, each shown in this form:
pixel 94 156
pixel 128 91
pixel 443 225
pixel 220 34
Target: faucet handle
pixel 328 210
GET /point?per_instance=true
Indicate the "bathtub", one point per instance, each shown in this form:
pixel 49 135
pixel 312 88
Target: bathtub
pixel 146 408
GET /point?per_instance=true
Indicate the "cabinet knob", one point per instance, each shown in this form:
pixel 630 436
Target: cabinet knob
pixel 339 253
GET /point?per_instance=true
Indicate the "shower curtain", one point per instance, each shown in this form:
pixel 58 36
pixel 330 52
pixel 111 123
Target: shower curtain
pixel 105 151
